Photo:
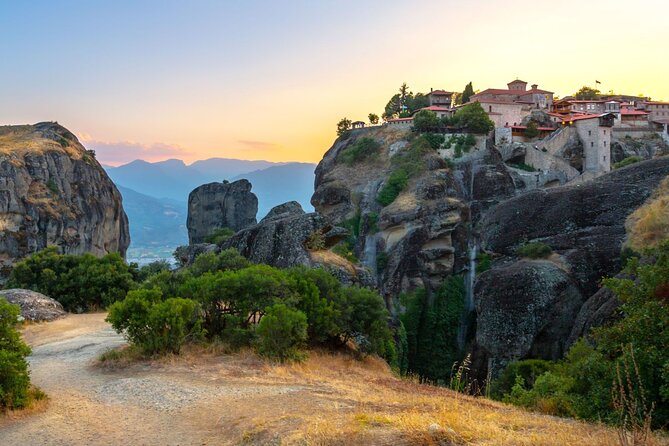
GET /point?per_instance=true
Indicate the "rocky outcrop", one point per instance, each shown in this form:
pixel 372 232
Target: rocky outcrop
pixel 538 309
pixel 647 146
pixel 525 309
pixel 185 255
pixel 220 205
pixel 34 306
pixel 288 209
pixel 54 192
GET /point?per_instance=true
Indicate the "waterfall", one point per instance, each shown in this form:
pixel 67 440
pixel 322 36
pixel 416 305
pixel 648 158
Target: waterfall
pixel 470 277
pixel 369 254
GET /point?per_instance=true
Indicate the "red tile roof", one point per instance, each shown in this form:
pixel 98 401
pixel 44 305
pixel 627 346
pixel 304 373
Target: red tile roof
pixel 627 112
pixel 496 101
pixel 512 92
pixel 523 127
pixel 399 119
pixel 436 108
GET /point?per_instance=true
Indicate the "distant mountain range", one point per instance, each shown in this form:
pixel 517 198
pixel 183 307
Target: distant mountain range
pixel 155 195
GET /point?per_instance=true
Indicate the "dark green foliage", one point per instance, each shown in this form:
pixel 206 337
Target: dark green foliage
pixel 373 118
pixel 627 161
pixel 531 131
pixel 361 150
pixel 432 325
pixel 405 103
pixel 151 269
pixel 425 121
pixel 80 283
pixel 395 184
pixel 156 325
pixel 529 370
pixel 461 143
pixel 587 93
pixel 346 250
pixel 281 332
pixel 467 93
pixel 381 261
pixel 343 126
pixel 483 262
pixel 52 186
pixel 473 118
pixel 364 318
pixel 434 139
pixel 535 250
pixel 227 260
pixel 14 377
pixel 523 166
pixel 219 236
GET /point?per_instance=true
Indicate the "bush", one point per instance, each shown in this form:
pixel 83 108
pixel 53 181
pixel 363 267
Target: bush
pixel 483 262
pixel 151 269
pixel 364 318
pixel 363 149
pixel 219 236
pixel 627 161
pixel 14 377
pixel 532 131
pixel 79 283
pixel 425 121
pixel 535 250
pixel 281 332
pixel 473 118
pixel 523 166
pixel 155 325
pixel 395 184
pixel 527 370
pixel 434 139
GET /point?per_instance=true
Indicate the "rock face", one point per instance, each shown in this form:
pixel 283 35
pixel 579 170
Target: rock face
pixel 525 309
pixel 220 205
pixel 34 306
pixel 54 192
pixel 537 309
pixel 284 210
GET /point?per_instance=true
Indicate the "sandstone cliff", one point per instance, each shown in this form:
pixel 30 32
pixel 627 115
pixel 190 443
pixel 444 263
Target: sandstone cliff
pixel 54 192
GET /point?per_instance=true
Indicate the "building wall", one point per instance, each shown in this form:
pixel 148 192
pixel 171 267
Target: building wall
pixel 509 114
pixel 596 145
pixel 658 111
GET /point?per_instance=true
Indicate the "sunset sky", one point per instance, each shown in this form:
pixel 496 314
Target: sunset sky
pixel 269 79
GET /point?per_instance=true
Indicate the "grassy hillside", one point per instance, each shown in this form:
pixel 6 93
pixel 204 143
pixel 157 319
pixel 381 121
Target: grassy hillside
pixel 649 225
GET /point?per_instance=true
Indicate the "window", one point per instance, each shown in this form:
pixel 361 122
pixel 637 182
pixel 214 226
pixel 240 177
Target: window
pixel 589 132
pixel 592 144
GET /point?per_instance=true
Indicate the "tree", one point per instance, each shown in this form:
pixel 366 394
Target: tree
pixel 281 332
pixel 404 92
pixel 14 377
pixel 473 118
pixel 426 121
pixel 587 93
pixel 531 131
pixel 343 126
pixel 467 93
pixel 457 98
pixel 373 118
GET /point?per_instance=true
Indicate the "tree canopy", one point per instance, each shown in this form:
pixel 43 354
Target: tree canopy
pixel 587 93
pixel 473 118
pixel 467 93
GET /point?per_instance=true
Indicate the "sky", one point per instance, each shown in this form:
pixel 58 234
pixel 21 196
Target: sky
pixel 269 79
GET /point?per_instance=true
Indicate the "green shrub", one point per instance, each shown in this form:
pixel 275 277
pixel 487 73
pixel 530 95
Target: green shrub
pixel 523 166
pixel 14 377
pixel 395 184
pixel 345 250
pixel 381 261
pixel 528 370
pixel 425 121
pixel 219 236
pixel 79 283
pixel 52 186
pixel 154 325
pixel 532 131
pixel 361 150
pixel 536 250
pixel 434 139
pixel 363 318
pixel 227 260
pixel 281 333
pixel 627 161
pixel 473 118
pixel 483 262
pixel 151 269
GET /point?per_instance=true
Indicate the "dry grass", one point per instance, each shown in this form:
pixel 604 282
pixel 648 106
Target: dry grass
pixel 38 401
pixel 326 257
pixel 17 140
pixel 367 404
pixel 649 225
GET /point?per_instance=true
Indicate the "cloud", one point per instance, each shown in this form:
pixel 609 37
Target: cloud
pixel 121 152
pixel 257 145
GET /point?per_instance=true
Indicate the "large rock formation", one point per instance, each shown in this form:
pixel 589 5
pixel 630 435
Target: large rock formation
pixel 34 306
pixel 220 205
pixel 532 309
pixel 54 192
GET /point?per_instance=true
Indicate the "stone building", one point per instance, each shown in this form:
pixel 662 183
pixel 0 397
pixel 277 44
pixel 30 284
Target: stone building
pixel 517 92
pixel 594 131
pixel 657 110
pixel 440 98
pixel 505 113
pixel 441 112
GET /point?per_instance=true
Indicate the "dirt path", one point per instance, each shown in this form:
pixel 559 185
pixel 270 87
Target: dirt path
pixel 140 405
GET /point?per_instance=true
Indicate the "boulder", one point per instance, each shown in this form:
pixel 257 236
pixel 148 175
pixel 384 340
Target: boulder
pixel 220 205
pixel 524 309
pixel 284 210
pixel 34 306
pixel 54 192
pixel 185 255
